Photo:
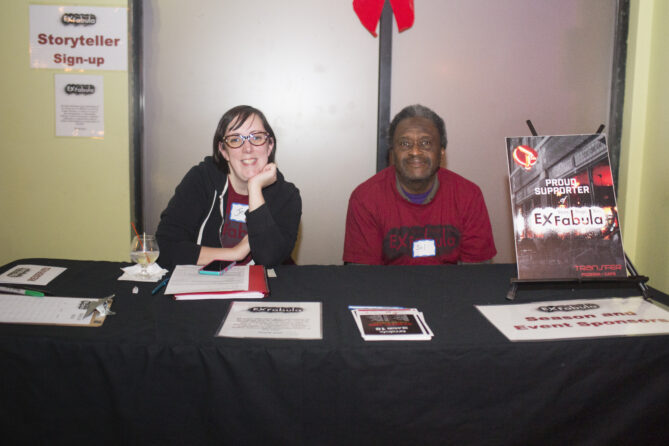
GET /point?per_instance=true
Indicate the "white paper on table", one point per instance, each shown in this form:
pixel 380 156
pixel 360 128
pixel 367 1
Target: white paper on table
pixel 31 274
pixel 273 320
pixel 187 279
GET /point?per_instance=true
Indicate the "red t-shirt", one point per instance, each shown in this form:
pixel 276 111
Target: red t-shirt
pixel 234 227
pixel 384 228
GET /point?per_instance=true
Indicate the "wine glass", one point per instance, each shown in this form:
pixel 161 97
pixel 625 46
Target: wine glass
pixel 144 250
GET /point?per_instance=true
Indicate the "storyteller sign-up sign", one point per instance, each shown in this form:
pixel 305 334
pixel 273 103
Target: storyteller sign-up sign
pixel 78 38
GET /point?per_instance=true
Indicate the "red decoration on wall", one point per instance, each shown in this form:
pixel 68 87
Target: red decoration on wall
pixel 369 13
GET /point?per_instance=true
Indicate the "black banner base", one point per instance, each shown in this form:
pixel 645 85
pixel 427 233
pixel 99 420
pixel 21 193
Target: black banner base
pixel 639 281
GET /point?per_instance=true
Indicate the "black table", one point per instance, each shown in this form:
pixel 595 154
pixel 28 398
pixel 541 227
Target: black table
pixel 155 373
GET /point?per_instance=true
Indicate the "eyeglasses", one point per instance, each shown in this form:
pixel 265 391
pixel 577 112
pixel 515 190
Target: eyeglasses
pixel 256 139
pixel 405 145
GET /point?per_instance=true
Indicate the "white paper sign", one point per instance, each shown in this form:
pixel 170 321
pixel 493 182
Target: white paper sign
pixel 273 320
pixel 78 37
pixel 577 319
pixel 80 105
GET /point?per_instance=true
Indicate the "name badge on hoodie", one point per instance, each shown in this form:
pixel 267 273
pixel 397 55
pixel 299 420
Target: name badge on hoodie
pixel 238 212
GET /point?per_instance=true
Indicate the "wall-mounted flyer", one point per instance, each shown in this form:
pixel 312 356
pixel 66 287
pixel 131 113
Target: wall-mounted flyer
pixel 79 105
pixel 78 37
pixel 564 208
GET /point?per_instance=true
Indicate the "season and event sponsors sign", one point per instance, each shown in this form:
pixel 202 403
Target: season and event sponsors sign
pixel 78 37
pixel 572 319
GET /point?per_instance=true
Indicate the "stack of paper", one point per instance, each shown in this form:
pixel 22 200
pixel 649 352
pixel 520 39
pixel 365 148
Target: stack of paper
pixel 391 324
pixel 239 282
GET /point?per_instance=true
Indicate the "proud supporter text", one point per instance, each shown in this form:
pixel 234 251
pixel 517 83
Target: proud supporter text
pixel 561 186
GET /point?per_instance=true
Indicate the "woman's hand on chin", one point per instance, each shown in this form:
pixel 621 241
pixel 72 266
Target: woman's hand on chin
pixel 263 178
pixel 256 184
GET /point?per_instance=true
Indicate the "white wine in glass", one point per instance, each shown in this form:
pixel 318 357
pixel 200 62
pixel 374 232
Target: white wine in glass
pixel 144 250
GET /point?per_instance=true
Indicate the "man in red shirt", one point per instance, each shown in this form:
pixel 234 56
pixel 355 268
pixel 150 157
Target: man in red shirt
pixel 415 212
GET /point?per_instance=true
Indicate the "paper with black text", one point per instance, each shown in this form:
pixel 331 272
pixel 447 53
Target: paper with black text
pixel 273 320
pixel 31 274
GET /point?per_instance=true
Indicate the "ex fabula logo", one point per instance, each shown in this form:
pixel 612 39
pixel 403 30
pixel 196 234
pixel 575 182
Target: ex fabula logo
pixel 276 309
pixel 79 89
pixel 71 18
pixel 525 156
pixel 573 307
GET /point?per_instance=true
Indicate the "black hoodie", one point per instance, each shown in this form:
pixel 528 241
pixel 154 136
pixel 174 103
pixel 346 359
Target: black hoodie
pixel 195 214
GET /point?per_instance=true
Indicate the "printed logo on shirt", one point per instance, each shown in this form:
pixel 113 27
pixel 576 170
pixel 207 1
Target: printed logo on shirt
pixel 238 212
pixel 400 241
pixel 232 234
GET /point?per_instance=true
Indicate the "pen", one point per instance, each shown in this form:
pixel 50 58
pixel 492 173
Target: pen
pixel 160 285
pixel 8 289
pixel 374 307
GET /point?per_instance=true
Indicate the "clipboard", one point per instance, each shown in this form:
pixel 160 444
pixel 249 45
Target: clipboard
pixel 50 310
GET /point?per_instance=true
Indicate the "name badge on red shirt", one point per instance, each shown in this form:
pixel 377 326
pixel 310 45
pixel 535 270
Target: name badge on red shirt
pixel 238 212
pixel 424 248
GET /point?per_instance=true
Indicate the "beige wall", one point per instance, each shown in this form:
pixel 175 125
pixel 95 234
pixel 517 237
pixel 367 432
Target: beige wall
pixel 644 183
pixel 59 197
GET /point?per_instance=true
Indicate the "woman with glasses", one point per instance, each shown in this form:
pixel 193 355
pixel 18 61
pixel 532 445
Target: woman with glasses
pixel 234 205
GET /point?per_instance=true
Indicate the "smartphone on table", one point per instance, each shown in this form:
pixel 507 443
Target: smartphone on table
pixel 217 267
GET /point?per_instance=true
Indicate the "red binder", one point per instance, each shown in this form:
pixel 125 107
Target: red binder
pixel 258 288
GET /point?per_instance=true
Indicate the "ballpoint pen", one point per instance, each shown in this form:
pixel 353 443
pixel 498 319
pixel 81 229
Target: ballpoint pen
pixel 374 307
pixel 160 285
pixel 12 290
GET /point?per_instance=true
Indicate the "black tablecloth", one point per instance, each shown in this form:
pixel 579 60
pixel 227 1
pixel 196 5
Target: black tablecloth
pixel 155 373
